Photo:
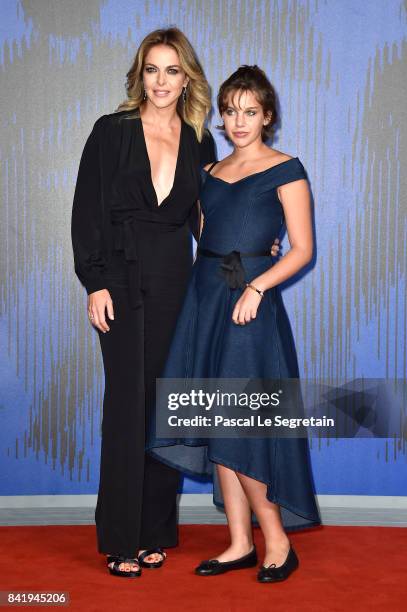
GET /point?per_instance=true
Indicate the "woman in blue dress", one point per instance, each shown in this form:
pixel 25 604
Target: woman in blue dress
pixel 233 325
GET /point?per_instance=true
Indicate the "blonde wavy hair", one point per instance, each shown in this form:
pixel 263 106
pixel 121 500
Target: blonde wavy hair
pixel 198 102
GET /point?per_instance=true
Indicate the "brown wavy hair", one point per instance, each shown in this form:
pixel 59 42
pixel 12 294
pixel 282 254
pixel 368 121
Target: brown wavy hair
pixel 254 79
pixel 198 102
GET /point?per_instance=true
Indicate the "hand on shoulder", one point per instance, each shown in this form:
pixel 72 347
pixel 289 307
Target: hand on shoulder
pixel 219 164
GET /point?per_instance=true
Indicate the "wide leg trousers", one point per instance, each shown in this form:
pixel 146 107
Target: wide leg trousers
pixel 136 506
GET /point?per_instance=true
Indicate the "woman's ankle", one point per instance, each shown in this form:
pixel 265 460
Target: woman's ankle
pixel 242 545
pixel 280 542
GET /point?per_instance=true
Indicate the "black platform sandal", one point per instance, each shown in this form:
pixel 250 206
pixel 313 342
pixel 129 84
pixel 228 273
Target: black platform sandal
pixel 117 561
pixel 153 564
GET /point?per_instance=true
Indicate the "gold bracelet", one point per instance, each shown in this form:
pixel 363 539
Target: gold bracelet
pixel 255 289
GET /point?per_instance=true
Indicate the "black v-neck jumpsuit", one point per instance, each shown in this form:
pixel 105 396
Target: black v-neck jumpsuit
pixel 145 264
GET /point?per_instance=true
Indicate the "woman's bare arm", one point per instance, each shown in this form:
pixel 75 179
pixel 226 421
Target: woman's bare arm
pixel 296 201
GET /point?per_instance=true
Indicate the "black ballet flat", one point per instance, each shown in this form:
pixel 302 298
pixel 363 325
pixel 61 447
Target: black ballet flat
pixel 213 567
pixel 117 560
pixel 153 564
pixel 276 574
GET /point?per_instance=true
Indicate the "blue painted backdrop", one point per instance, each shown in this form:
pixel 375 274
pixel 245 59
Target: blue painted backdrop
pixel 339 67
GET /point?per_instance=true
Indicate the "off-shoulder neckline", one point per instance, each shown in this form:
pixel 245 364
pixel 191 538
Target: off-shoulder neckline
pixel 250 175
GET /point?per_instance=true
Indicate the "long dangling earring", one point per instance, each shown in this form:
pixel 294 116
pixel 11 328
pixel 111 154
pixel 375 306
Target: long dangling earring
pixel 144 96
pixel 184 94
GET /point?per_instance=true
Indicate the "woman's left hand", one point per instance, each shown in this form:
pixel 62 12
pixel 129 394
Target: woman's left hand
pixel 246 307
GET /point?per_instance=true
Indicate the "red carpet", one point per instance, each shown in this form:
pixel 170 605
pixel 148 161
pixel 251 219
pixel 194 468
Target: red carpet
pixel 341 569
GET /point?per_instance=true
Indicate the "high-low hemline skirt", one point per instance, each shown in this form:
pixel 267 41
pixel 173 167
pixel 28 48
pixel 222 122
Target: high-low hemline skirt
pixel 207 344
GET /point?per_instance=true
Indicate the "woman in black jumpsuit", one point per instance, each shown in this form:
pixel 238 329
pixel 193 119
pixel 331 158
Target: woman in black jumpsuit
pixel 138 252
pixel 141 252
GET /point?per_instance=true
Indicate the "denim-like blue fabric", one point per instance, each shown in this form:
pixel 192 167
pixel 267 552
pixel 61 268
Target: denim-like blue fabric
pixel 245 216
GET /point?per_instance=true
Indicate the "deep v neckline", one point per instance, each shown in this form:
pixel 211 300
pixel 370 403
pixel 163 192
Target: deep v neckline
pixel 150 175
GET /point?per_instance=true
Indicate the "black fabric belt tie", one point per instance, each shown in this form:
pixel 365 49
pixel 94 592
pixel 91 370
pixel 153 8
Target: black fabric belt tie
pixel 231 266
pixel 126 238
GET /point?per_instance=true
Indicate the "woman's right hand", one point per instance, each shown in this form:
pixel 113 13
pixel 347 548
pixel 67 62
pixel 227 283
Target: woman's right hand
pixel 98 303
pixel 275 248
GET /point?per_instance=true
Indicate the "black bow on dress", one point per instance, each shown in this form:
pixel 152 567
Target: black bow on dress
pixel 233 271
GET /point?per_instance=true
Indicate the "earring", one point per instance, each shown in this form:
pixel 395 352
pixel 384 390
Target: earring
pixel 184 94
pixel 144 96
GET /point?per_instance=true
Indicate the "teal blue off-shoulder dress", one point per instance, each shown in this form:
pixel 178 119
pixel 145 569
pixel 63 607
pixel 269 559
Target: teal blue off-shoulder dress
pixel 240 217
